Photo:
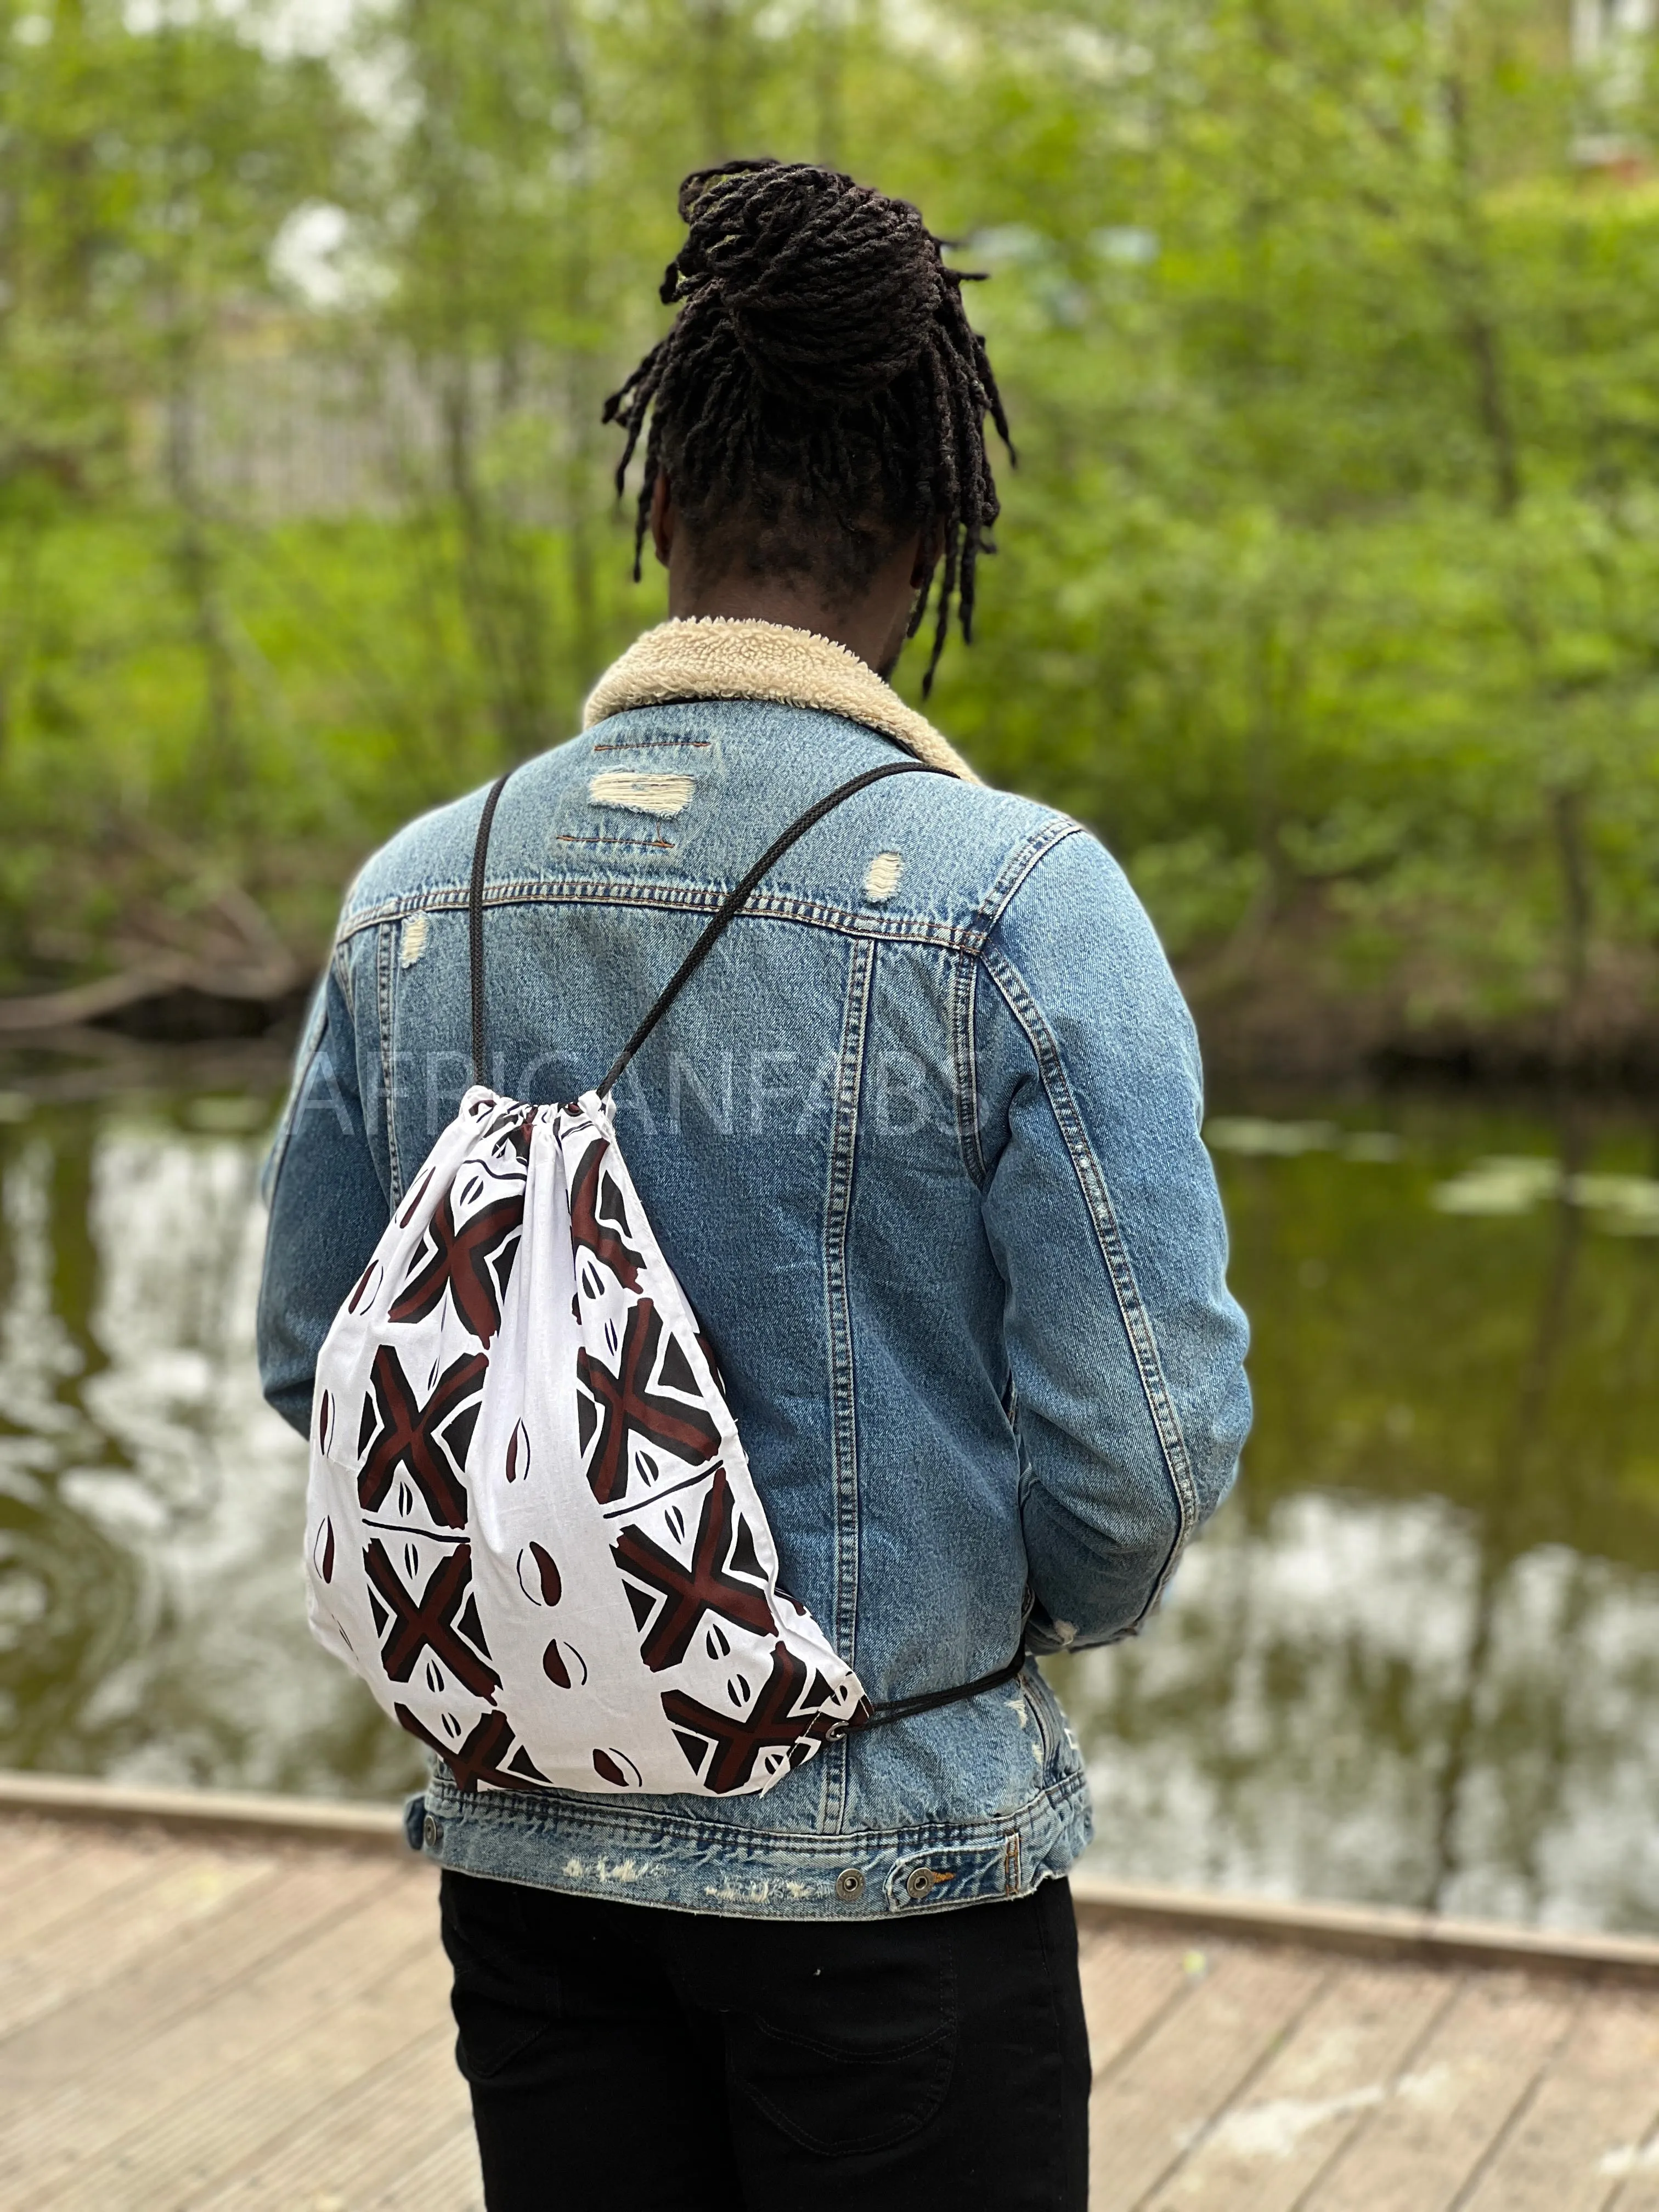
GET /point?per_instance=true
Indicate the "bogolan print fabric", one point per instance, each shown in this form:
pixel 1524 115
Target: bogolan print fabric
pixel 530 1526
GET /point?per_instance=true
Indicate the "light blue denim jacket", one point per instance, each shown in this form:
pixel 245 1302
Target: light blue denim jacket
pixel 921 1142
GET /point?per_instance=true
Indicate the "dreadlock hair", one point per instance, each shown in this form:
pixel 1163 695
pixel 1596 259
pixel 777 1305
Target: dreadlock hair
pixel 820 394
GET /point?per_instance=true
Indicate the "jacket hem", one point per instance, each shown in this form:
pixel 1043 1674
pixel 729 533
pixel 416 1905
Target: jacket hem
pixel 678 1862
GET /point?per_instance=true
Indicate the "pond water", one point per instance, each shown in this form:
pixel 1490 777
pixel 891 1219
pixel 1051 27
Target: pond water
pixel 1416 1660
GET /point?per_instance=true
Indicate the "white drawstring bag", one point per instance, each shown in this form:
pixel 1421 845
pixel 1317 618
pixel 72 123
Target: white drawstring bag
pixel 530 1525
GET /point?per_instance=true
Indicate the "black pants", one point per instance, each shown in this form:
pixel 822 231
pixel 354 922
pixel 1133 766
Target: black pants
pixel 627 2059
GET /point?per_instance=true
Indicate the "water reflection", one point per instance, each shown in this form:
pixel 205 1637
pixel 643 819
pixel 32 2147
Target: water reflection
pixel 1416 1660
pixel 151 1605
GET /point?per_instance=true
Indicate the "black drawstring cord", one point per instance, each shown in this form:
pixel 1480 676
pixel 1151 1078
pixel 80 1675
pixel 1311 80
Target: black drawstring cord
pixel 734 899
pixel 694 959
pixel 904 1709
pixel 475 921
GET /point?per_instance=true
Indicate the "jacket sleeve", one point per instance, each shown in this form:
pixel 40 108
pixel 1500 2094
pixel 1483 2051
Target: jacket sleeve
pixel 1125 1348
pixel 327 1200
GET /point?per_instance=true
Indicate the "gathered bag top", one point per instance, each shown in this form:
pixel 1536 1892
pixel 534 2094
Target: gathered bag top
pixel 530 1525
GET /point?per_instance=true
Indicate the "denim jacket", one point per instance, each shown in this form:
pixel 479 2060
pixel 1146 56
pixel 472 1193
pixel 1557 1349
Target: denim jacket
pixel 921 1142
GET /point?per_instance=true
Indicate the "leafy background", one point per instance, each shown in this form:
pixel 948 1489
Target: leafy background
pixel 1328 583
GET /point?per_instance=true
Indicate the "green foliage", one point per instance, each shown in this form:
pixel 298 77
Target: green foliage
pixel 1329 570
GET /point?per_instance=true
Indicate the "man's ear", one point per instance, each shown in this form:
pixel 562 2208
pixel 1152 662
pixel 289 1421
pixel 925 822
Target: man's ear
pixel 662 517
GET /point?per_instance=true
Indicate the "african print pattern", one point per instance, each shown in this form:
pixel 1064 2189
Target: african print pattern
pixel 532 1528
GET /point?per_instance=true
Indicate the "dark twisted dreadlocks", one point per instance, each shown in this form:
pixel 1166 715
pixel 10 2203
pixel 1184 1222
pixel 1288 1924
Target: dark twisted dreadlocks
pixel 821 394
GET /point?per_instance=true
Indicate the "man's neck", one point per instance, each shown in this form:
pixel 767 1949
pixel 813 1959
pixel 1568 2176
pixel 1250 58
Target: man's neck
pixel 873 625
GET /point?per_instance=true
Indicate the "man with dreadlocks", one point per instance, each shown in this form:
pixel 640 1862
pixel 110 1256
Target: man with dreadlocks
pixel 921 1140
pixel 817 407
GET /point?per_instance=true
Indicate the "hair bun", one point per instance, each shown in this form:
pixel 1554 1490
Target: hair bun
pixel 831 289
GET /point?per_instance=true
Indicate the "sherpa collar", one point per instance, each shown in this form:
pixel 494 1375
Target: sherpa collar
pixel 716 656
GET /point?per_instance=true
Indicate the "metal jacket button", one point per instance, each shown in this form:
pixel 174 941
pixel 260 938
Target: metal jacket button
pixel 429 1832
pixel 920 1880
pixel 849 1885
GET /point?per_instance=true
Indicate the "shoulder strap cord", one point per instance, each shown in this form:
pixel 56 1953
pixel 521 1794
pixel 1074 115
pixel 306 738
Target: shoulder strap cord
pixel 904 1709
pixel 724 914
pixel 475 921
pixel 897 1709
pixel 738 897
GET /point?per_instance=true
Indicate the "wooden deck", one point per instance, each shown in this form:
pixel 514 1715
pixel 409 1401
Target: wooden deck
pixel 247 2015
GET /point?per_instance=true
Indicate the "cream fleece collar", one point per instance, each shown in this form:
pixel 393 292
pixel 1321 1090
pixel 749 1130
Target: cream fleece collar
pixel 714 657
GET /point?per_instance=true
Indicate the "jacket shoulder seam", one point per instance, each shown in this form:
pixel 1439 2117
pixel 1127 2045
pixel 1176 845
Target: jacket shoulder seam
pixel 669 899
pixel 1018 866
pixel 963 1022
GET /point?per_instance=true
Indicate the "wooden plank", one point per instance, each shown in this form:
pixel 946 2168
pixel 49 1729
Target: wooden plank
pixel 446 2181
pixel 1365 1931
pixel 1631 2167
pixel 1587 2124
pixel 1417 2151
pixel 400 2112
pixel 27 1847
pixel 197 1815
pixel 1151 2105
pixel 88 2030
pixel 175 2158
pixel 1337 2064
pixel 92 1947
pixel 84 1870
pixel 21 1909
pixel 1632 2171
pixel 1128 1981
pixel 51 2137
